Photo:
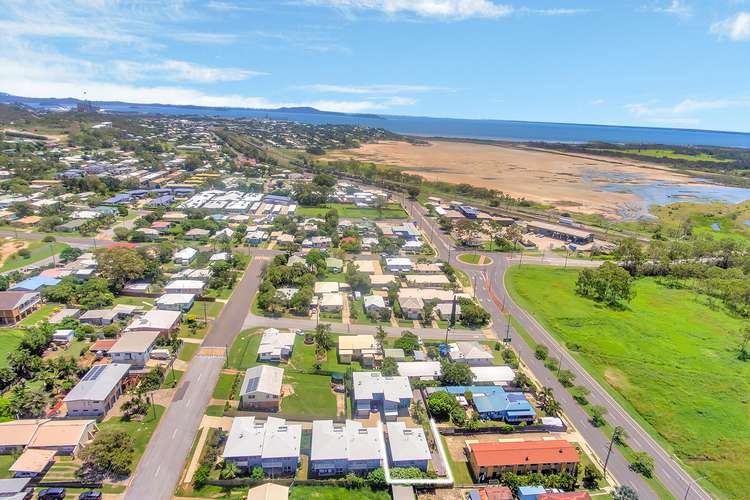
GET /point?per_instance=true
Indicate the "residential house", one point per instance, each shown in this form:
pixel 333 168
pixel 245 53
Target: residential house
pixel 362 348
pixel 398 264
pixel 275 345
pixel 156 320
pixel 185 256
pixel 31 463
pixel 324 287
pixel 194 287
pixel 317 242
pixel 497 375
pixel 133 348
pixel 471 352
pixel 493 403
pixel 412 246
pixel 407 446
pixel 490 460
pixel 261 388
pixel 62 436
pixel 197 234
pixel 340 449
pixel 428 280
pixel 97 391
pixel 334 265
pixel 411 307
pixel 60 315
pixel 374 304
pixel 14 306
pixel 420 370
pixel 16 489
pixel 63 337
pixel 175 301
pixel 34 284
pixel 255 237
pixel 273 445
pixel 100 317
pixel 331 302
pixel 373 392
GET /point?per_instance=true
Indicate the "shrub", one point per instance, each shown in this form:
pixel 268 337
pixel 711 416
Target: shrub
pixel 541 351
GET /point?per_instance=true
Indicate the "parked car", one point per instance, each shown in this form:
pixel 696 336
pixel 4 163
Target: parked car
pixel 90 495
pixel 51 494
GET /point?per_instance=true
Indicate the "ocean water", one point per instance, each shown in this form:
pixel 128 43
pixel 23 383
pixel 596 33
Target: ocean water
pixel 473 129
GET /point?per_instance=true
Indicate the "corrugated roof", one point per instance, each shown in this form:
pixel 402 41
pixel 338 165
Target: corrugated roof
pixel 524 452
pixel 98 382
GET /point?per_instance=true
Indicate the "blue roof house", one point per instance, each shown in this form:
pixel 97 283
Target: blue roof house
pixel 493 403
pixel 530 492
pixel 119 198
pixel 34 284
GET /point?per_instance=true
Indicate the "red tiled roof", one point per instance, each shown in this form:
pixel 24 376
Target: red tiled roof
pixel 497 493
pixel 102 345
pixel 572 495
pixel 524 452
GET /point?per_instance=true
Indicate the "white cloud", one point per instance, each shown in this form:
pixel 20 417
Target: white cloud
pixel 442 9
pixel 369 89
pixel 736 28
pixel 205 37
pixel 180 71
pixel 675 8
pixel 598 102
pixel 686 106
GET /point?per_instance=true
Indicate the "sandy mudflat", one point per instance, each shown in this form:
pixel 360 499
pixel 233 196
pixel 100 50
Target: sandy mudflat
pixel 569 182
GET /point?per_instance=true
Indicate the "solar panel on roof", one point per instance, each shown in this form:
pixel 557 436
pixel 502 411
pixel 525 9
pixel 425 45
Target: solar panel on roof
pixel 252 384
pixel 94 373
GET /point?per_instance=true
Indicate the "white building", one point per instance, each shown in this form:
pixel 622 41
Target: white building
pixel 261 388
pixel 164 322
pixel 175 302
pixel 195 287
pixel 407 446
pixel 398 264
pixel 275 345
pixel 420 370
pixel 373 391
pixel 97 391
pixel 185 256
pixel 471 353
pixel 133 348
pixel 339 449
pixel 273 445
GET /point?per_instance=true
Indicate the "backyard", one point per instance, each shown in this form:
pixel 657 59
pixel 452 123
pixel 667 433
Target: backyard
pixel 670 356
pixel 10 338
pixel 312 395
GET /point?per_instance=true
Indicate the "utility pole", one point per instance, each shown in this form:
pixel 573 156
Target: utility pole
pixel 615 435
pixel 566 259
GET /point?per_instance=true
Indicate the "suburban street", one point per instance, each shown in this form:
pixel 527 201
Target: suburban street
pixel 667 470
pixel 161 465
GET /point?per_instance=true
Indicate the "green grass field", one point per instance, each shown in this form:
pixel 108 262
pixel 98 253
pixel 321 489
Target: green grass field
pixel 223 389
pixel 312 395
pixel 668 153
pixel 140 431
pixel 40 314
pixel 668 356
pixel 39 250
pixel 188 351
pixel 211 309
pixel 469 258
pixel 700 216
pixel 244 350
pixel 10 338
pixel 390 211
pixel 336 493
pixel 303 357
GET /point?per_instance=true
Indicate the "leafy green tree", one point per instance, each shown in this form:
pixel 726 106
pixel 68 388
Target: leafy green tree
pixel 591 476
pixel 257 474
pixel 389 367
pixel 541 352
pixel 597 414
pixel 456 374
pixel 630 252
pixel 624 492
pixel 566 378
pixel 229 471
pixel 110 454
pixel 609 284
pixel 642 463
pixel 440 404
pixel 380 336
pixel 580 394
pixel 408 342
pixel 301 300
pixel 322 338
pixel 119 265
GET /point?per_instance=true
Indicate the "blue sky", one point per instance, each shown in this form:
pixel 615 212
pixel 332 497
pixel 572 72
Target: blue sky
pixel 679 63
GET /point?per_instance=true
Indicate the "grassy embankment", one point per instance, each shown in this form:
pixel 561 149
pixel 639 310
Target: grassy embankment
pixel 668 357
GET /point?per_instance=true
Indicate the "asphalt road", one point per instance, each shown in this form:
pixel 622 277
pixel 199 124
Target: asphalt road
pixel 492 292
pixel 160 467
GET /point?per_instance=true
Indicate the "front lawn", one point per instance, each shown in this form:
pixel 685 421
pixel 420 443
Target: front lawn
pixel 336 493
pixel 140 431
pixel 40 314
pixel 39 250
pixel 204 308
pixel 304 358
pixel 312 395
pixel 188 351
pixel 670 356
pixel 10 338
pixel 223 389
pixel 244 351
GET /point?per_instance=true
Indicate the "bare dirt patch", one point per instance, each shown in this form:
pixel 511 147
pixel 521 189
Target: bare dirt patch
pixel 9 247
pixel 570 182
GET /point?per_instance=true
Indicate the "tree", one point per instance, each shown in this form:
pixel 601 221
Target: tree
pixel 440 404
pixel 257 474
pixel 566 378
pixel 514 234
pixel 597 413
pixel 322 338
pixel 624 492
pixel 408 342
pixel 522 381
pixel 457 374
pixel 541 352
pixel 389 367
pixel 591 476
pixel 427 312
pixel 301 300
pixel 119 265
pixel 744 355
pixel 472 314
pixel 413 192
pixel 630 252
pixel 609 284
pixel 458 416
pixel 109 454
pixel 380 337
pixel 580 394
pixel 642 463
pixel 357 279
pixel 229 471
pixel 551 407
pixel 619 435
pixel 70 253
pixel 418 413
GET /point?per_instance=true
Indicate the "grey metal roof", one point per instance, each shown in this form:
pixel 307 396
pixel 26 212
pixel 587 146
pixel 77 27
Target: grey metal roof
pixel 98 383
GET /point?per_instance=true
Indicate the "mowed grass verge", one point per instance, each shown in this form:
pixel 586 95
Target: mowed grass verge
pixel 668 354
pixel 10 338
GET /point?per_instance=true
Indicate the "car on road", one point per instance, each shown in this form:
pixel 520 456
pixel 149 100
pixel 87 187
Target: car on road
pixel 90 495
pixel 299 332
pixel 51 494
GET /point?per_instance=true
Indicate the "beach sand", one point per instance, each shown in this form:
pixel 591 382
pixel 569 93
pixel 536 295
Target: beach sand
pixel 569 182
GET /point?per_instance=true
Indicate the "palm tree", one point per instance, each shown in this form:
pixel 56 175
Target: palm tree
pixel 546 394
pixel 322 338
pixel 551 406
pixel 380 336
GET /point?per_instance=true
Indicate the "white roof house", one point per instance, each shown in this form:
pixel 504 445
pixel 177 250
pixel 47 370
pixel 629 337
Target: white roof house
pixel 262 378
pixel 373 387
pixel 331 301
pixel 472 353
pixel 373 301
pixel 358 447
pixel 323 287
pixel 273 445
pixel 420 369
pixel 157 320
pixel 185 286
pixel 275 345
pixel 134 342
pixel 407 446
pixel 498 375
pixel 98 383
pixel 398 264
pixel 185 256
pixel 173 301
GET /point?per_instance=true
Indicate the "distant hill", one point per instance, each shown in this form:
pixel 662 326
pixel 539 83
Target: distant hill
pixel 58 104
